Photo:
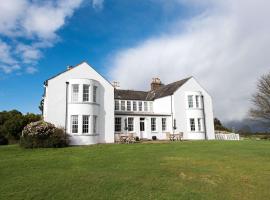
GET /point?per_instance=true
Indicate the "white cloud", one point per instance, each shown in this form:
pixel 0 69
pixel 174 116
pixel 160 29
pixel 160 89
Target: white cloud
pixel 35 21
pixel 31 70
pixel 226 47
pixel 10 68
pixel 97 4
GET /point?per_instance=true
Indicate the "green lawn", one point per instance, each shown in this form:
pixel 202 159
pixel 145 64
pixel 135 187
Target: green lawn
pixel 180 170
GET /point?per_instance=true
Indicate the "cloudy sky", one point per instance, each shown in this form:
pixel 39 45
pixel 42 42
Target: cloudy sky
pixel 225 44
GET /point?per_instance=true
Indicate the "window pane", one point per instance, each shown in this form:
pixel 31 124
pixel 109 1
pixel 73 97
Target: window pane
pixel 123 107
pixel 94 93
pixel 116 105
pixel 75 93
pixel 164 125
pixel 117 124
pixel 192 124
pixel 130 124
pixel 134 106
pixel 190 101
pixel 197 101
pixel 151 106
pixel 85 124
pixel 145 106
pixel 85 92
pixel 94 124
pixel 153 124
pixel 74 123
pixel 140 106
pixel 128 106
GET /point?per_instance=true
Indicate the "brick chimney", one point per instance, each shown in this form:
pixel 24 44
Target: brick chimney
pixel 156 83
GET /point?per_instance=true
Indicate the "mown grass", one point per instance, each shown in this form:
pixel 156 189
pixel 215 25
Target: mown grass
pixel 180 170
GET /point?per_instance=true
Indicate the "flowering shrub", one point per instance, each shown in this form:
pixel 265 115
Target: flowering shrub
pixel 43 134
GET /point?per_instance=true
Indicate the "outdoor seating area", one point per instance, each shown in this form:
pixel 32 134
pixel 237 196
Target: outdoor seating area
pixel 129 138
pixel 174 136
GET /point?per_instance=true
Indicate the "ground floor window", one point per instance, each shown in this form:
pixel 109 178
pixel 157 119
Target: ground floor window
pixel 85 124
pixel 153 124
pixel 117 124
pixel 192 124
pixel 200 124
pixel 74 123
pixel 164 124
pixel 130 124
pixel 94 124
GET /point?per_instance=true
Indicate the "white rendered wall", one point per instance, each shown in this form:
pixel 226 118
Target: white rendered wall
pixel 182 113
pixel 55 104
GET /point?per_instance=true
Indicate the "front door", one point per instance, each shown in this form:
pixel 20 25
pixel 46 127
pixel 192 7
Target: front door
pixel 142 127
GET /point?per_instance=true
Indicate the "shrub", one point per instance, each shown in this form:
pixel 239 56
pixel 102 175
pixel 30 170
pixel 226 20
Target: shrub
pixel 3 140
pixel 137 138
pixel 154 137
pixel 43 134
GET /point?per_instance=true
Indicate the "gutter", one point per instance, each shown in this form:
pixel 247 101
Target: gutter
pixel 204 120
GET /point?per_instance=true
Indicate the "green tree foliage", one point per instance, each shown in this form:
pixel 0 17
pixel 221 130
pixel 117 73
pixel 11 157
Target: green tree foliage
pixel 219 126
pixel 12 123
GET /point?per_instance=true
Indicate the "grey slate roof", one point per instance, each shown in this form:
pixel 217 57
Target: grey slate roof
pixel 163 91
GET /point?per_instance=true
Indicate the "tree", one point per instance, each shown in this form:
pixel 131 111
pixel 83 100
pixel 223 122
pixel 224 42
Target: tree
pixel 261 101
pixel 219 126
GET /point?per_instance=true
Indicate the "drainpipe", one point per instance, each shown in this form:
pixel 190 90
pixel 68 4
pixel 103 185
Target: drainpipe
pixel 204 120
pixel 172 116
pixel 67 83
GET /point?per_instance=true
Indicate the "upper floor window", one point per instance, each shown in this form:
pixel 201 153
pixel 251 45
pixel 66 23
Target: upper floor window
pixel 128 106
pixel 192 124
pixel 117 124
pixel 190 101
pixel 94 94
pixel 123 107
pixel 130 124
pixel 75 93
pixel 85 93
pixel 164 124
pixel 94 124
pixel 153 124
pixel 74 123
pixel 197 100
pixel 116 105
pixel 151 106
pixel 145 106
pixel 85 124
pixel 140 106
pixel 134 106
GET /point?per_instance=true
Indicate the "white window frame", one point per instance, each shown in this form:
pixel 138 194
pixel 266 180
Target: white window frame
pixel 192 125
pixel 200 124
pixel 130 124
pixel 123 105
pixel 116 105
pixel 95 125
pixel 74 122
pixel 75 92
pixel 151 106
pixel 145 106
pixel 86 90
pixel 140 106
pixel 95 88
pixel 134 106
pixel 128 105
pixel 85 124
pixel 190 101
pixel 153 124
pixel 117 124
pixel 197 101
pixel 164 123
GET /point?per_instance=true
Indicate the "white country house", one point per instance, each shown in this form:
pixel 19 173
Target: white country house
pixel 93 111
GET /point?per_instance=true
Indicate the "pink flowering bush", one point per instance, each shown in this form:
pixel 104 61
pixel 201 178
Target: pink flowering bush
pixel 42 134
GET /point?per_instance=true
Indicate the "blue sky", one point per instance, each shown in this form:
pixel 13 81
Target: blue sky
pixel 224 44
pixel 92 34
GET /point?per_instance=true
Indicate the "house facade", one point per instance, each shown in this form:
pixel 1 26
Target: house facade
pixel 92 110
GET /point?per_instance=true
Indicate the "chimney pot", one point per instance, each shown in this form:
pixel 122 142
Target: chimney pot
pixel 156 83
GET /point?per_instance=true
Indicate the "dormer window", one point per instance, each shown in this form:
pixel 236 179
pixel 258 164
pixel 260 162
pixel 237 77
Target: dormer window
pixel 134 106
pixel 145 106
pixel 123 107
pixel 140 106
pixel 128 106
